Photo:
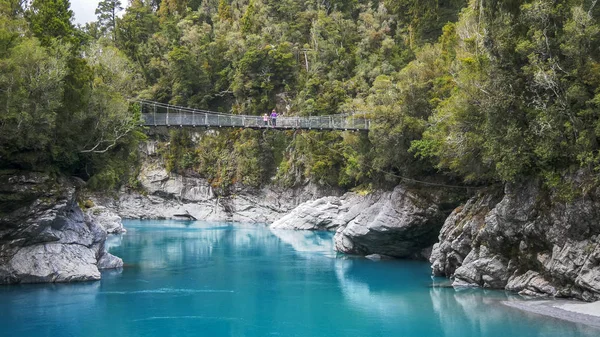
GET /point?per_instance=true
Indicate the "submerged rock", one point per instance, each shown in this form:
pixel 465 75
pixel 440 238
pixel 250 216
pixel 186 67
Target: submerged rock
pixel 44 236
pixel 526 240
pixel 377 257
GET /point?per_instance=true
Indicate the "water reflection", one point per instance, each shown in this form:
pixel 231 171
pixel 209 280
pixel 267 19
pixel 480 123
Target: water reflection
pixel 393 295
pixel 484 314
pixel 113 240
pixel 307 241
pixel 365 295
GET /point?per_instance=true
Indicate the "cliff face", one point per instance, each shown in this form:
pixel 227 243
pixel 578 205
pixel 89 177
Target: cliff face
pixel 523 239
pixel 171 196
pixel 44 236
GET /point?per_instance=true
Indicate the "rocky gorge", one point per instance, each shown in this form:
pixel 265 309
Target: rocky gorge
pixel 402 223
pixel 164 195
pixel 522 238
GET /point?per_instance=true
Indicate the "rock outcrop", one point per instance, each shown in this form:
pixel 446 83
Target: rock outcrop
pixel 400 223
pixel 44 236
pixel 106 218
pixel 327 213
pixel 526 240
pixel 168 196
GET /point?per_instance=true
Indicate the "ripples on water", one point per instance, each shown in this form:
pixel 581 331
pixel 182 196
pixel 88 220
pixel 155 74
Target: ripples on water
pixel 215 279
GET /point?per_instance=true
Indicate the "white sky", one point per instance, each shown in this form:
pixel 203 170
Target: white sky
pixel 85 10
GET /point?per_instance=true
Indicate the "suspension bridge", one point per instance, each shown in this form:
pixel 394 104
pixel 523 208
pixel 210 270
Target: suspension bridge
pixel 155 114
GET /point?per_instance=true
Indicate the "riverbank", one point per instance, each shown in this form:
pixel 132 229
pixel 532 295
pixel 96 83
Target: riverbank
pixel 572 311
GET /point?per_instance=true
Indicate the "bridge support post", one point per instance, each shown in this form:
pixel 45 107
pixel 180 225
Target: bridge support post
pixel 154 116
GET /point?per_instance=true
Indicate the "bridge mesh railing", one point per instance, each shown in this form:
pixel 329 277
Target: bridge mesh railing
pixel 334 122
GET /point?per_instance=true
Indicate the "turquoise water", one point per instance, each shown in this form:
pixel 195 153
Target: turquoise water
pixel 218 279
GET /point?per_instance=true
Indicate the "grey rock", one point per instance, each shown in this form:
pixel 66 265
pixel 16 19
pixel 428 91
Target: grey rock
pixel 320 214
pixel 109 261
pixel 327 213
pixel 483 268
pixel 523 239
pixel 54 262
pixel 156 180
pixel 169 194
pixel 106 218
pixel 44 236
pixel 532 284
pixel 457 234
pixel 399 223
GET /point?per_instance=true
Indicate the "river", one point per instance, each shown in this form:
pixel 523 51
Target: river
pixel 224 279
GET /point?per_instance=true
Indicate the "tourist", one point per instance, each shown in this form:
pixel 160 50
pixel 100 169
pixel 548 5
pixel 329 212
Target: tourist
pixel 266 119
pixel 274 118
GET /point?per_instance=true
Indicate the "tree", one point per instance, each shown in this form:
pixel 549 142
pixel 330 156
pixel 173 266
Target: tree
pixel 51 19
pixel 261 74
pixel 422 20
pixel 135 28
pixel 171 8
pixel 224 11
pixel 32 87
pixel 11 25
pixel 107 16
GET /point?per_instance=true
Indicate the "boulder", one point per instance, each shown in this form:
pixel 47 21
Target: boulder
pixel 44 236
pixel 400 223
pixel 327 213
pixel 397 223
pixel 106 218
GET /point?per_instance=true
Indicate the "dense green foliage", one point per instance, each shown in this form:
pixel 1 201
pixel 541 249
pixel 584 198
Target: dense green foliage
pixel 300 57
pixel 525 94
pixel 247 157
pixel 475 91
pixel 63 101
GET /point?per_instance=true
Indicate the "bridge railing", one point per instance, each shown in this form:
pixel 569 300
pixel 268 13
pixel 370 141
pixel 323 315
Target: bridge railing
pixel 334 122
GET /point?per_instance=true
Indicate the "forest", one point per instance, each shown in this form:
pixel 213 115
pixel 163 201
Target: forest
pixel 466 93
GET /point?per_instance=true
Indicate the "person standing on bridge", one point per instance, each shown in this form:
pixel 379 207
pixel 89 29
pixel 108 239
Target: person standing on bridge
pixel 266 119
pixel 274 118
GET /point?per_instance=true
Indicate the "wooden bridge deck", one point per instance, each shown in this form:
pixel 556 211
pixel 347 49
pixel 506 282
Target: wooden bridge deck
pixel 158 114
